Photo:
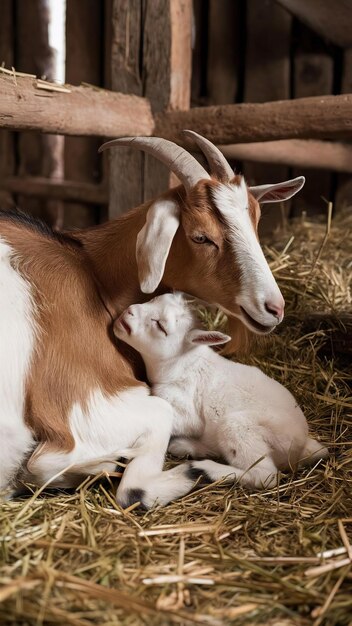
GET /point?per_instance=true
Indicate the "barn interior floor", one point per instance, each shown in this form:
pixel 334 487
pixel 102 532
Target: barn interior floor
pixel 221 555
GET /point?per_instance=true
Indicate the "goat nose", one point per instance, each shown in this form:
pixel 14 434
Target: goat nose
pixel 130 312
pixel 275 310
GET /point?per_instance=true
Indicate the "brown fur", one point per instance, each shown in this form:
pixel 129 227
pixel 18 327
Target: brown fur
pixel 78 289
pixel 74 353
pixel 196 269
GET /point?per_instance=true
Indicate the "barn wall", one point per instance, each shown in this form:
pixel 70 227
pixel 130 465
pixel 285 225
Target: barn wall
pixel 243 51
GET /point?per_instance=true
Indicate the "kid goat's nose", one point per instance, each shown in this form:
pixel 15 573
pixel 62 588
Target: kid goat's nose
pixel 129 311
pixel 275 310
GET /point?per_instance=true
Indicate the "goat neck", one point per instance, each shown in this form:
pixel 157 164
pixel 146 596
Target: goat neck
pixel 171 370
pixel 112 251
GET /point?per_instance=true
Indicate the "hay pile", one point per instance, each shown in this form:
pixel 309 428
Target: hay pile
pixel 219 556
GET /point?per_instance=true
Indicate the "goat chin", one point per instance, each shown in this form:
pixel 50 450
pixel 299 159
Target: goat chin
pixel 242 339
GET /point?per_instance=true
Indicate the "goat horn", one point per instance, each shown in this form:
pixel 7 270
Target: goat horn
pixel 183 164
pixel 217 162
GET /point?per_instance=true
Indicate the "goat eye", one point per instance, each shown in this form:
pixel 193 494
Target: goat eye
pixel 201 239
pixel 160 326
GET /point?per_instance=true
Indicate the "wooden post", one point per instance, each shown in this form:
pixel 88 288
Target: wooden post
pixel 7 151
pixel 167 71
pixel 158 67
pixel 313 76
pixel 84 48
pixel 126 165
pixel 267 79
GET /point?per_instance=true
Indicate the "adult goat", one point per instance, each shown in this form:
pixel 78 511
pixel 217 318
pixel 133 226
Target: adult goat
pixel 70 402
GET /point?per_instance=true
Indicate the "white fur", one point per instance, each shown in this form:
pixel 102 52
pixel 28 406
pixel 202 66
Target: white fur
pixel 222 409
pixel 279 191
pixel 134 425
pixel 17 335
pixel 258 285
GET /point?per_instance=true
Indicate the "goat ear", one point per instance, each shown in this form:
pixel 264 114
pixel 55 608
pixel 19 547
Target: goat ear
pixel 279 191
pixel 208 337
pixel 154 243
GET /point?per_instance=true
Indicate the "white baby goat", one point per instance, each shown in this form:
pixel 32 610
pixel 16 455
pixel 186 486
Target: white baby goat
pixel 222 409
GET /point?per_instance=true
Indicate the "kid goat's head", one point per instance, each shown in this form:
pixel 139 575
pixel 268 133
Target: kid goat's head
pixel 204 240
pixel 165 327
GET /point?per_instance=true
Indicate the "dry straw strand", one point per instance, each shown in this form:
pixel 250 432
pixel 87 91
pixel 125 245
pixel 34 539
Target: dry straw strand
pixel 221 555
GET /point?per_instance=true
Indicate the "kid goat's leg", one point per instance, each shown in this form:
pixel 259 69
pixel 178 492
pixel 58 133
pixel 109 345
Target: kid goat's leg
pixel 143 479
pixel 183 446
pixel 261 476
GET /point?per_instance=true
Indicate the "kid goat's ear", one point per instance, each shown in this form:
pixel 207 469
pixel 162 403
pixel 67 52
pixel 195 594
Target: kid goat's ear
pixel 154 243
pixel 207 337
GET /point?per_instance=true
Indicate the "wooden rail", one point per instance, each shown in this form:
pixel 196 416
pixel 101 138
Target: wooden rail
pixel 315 118
pixel 27 103
pixel 310 153
pixel 67 190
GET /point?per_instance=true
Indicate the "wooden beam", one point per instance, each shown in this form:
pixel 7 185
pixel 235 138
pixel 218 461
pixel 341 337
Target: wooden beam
pixel 331 19
pixel 27 103
pixel 68 190
pixel 310 153
pixel 316 117
pixel 151 56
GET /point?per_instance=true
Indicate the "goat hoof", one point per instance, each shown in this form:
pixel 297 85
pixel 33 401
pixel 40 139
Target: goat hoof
pixel 130 497
pixel 197 474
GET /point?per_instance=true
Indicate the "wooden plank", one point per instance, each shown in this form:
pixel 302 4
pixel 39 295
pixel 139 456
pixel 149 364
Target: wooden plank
pixel 223 51
pixel 67 190
pixel 157 67
pixel 126 165
pixel 84 63
pixel 267 78
pixel 305 118
pixel 104 161
pixel 167 72
pixel 343 196
pixel 37 153
pixel 7 148
pixel 300 153
pixel 331 20
pixel 199 48
pixel 313 76
pixel 26 105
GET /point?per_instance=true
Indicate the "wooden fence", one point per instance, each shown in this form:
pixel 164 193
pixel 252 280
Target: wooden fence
pixel 259 81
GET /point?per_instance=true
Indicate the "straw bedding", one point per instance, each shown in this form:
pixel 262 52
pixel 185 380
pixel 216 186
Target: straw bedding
pixel 221 555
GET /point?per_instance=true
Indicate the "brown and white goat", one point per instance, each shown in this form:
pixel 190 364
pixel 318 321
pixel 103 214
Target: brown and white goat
pixel 70 401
